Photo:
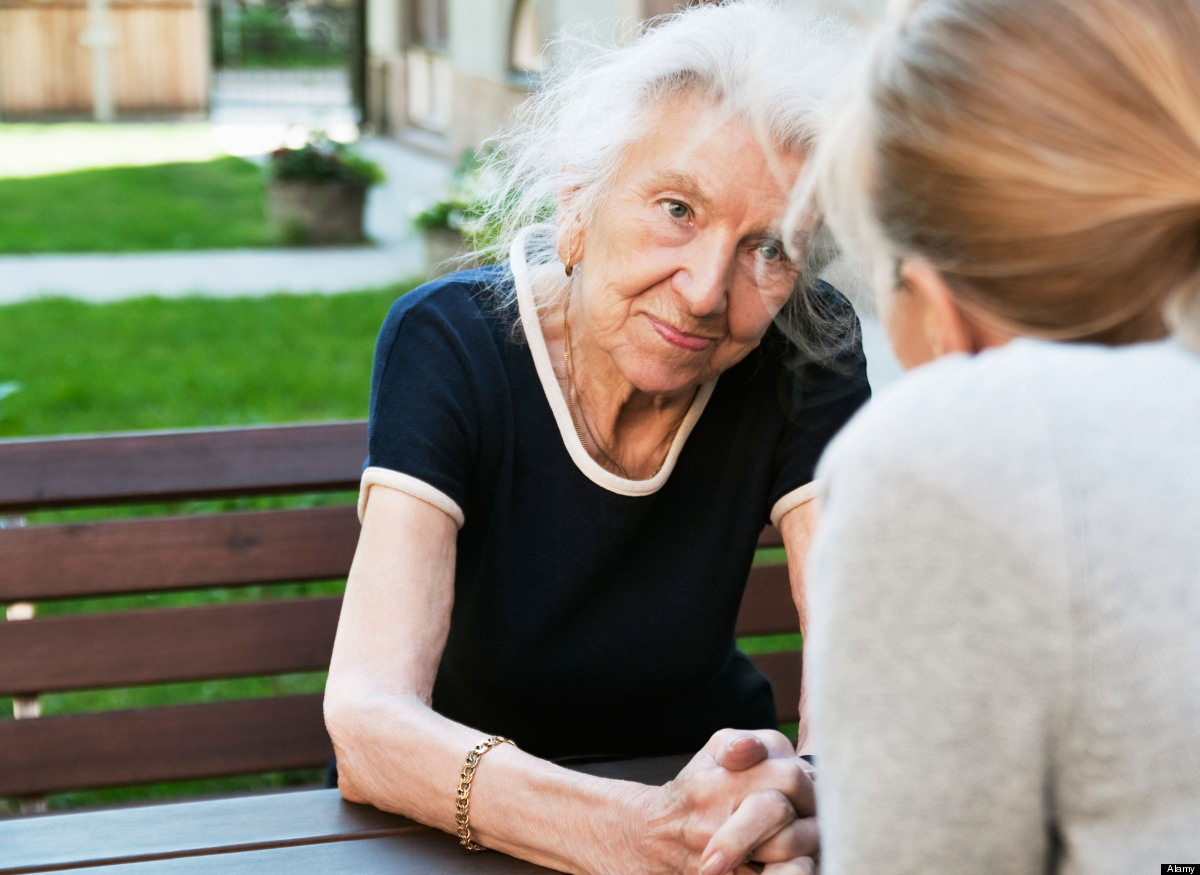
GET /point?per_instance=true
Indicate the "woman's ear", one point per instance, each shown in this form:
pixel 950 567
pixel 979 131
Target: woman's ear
pixel 941 324
pixel 944 326
pixel 570 228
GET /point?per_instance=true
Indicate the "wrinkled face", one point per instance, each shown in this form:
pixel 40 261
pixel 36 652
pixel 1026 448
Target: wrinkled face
pixel 683 268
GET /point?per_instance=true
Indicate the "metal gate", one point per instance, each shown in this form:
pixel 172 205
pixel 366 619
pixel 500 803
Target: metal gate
pixel 295 61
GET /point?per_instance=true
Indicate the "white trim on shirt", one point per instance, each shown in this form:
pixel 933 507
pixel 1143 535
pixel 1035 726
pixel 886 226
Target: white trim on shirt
pixel 409 485
pixel 798 496
pixel 588 466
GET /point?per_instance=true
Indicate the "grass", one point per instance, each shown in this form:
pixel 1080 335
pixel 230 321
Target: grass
pixel 44 149
pixel 149 363
pixel 216 204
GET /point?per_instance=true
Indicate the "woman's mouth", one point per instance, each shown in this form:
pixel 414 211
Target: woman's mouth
pixel 675 337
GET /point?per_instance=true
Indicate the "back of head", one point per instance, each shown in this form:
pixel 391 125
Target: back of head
pixel 1043 155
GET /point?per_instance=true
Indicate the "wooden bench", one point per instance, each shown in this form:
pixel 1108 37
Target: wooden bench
pixel 42 563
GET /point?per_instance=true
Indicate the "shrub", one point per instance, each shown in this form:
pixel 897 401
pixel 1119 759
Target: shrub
pixel 463 204
pixel 323 160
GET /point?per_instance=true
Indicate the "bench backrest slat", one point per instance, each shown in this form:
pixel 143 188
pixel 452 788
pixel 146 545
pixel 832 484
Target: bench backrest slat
pixel 148 745
pixel 164 466
pixel 128 648
pixel 770 537
pixel 767 606
pixel 170 553
pixel 113 648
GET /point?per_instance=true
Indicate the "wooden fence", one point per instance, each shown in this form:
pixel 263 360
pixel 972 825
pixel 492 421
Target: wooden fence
pixel 159 57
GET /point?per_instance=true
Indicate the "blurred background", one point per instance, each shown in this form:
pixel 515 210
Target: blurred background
pixel 135 138
pixel 207 206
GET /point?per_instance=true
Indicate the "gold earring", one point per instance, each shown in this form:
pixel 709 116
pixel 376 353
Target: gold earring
pixel 567 267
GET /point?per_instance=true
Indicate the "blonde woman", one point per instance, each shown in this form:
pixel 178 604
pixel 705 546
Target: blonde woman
pixel 1005 585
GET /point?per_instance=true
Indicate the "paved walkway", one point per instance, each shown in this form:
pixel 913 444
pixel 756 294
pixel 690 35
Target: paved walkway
pixel 413 178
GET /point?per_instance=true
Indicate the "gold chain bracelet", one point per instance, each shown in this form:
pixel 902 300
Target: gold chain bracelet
pixel 464 788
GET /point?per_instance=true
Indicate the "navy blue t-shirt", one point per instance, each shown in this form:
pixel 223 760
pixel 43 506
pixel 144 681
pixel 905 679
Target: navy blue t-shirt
pixel 588 621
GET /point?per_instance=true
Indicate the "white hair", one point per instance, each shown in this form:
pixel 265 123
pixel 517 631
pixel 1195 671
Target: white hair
pixel 773 68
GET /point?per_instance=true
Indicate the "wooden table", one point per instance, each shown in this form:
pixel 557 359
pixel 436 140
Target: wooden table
pixel 287 833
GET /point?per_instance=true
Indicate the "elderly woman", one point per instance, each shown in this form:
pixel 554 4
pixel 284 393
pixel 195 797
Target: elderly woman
pixel 571 458
pixel 1005 599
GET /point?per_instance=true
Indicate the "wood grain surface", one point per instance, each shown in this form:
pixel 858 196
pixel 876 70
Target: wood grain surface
pixel 149 745
pixel 162 466
pixel 171 553
pixel 305 831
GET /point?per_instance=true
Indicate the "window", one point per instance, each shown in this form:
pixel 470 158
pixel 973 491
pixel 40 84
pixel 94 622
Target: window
pixel 427 23
pixel 525 44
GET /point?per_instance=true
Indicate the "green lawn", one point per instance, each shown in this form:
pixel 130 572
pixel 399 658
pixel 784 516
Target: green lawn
pixel 157 363
pixel 44 149
pixel 214 204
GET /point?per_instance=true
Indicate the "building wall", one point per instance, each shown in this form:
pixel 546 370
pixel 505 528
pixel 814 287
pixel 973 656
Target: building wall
pixel 482 87
pixel 485 88
pixel 383 105
pixel 481 107
pixel 384 23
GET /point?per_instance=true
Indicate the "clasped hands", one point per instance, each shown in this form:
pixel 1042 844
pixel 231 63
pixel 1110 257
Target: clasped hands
pixel 745 797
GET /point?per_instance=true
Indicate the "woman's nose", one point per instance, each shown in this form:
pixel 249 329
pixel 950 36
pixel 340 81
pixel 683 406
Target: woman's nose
pixel 705 280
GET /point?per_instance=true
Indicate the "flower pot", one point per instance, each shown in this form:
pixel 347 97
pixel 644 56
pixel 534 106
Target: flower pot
pixel 311 213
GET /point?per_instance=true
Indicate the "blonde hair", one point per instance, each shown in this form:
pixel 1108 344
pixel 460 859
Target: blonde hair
pixel 1043 155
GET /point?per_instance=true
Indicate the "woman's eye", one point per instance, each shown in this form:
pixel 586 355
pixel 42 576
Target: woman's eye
pixel 770 250
pixel 677 209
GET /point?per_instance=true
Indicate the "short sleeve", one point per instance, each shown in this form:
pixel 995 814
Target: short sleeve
pixel 430 363
pixel 818 398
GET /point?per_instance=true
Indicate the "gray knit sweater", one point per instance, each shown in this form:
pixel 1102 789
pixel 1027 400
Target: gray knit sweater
pixel 1005 617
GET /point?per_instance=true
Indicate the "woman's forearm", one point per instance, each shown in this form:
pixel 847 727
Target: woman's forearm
pixel 397 754
pixel 798 527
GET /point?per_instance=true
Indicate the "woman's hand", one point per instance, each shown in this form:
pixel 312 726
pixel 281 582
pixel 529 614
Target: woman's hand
pixel 743 797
